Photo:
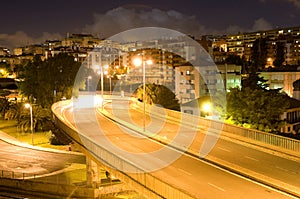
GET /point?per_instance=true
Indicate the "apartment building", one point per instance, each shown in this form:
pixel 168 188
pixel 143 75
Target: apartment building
pixel 281 80
pixel 241 43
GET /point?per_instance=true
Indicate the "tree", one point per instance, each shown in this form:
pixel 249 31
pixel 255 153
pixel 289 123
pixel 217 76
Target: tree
pixel 41 118
pixel 280 54
pixel 258 109
pixel 48 81
pixel 259 54
pixel 254 82
pixel 30 87
pixel 4 106
pixel 234 59
pixel 159 95
pixel 14 113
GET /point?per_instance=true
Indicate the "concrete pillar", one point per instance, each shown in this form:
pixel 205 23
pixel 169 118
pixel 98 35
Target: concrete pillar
pixel 92 173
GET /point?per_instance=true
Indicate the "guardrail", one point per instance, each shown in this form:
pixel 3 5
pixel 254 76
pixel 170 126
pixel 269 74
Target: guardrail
pixel 144 182
pixel 214 125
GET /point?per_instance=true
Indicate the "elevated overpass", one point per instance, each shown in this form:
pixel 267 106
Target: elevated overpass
pixel 230 170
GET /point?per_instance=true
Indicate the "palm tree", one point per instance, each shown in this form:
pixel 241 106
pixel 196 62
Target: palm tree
pixel 4 106
pixel 14 112
pixel 41 118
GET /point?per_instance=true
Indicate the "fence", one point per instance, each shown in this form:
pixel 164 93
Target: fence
pixel 55 179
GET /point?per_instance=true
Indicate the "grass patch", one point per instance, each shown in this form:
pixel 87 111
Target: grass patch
pixel 39 138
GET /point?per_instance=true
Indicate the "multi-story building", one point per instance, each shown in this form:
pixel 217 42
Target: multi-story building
pixel 4 51
pixel 81 40
pixel 193 82
pixel 281 80
pixel 241 44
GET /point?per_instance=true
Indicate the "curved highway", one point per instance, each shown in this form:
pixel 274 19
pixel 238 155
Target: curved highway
pixel 190 174
pixel 271 168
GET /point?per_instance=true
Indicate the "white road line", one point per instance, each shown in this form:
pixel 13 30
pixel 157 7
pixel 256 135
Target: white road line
pixel 217 187
pixel 281 168
pixel 251 158
pixel 224 149
pixel 183 171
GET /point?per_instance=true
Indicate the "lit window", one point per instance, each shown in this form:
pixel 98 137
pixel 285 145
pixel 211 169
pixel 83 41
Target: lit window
pixel 188 72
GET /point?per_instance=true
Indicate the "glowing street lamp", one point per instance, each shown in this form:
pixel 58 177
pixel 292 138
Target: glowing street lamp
pixel 27 105
pixel 207 108
pixel 138 61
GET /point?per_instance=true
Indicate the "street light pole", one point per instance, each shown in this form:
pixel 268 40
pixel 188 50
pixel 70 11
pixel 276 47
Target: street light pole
pixel 144 91
pixel 31 121
pixel 143 62
pixel 102 86
pixel 110 84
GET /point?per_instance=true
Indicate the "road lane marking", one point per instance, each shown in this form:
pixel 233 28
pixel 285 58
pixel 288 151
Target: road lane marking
pixel 281 168
pixel 224 149
pixel 251 158
pixel 217 187
pixel 287 170
pixel 183 171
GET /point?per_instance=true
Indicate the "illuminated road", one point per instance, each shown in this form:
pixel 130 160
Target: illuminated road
pixel 276 169
pixel 190 174
pixel 33 162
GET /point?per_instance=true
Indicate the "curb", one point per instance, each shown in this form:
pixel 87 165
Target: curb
pixel 11 140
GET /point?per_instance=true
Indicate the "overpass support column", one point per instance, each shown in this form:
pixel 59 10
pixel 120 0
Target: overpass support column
pixel 93 177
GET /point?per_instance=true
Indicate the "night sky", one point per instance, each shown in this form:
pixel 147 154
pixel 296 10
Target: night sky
pixel 33 21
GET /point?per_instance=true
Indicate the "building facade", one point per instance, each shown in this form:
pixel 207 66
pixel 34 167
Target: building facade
pixel 281 80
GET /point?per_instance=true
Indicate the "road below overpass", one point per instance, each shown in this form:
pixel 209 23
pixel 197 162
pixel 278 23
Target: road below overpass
pixel 29 161
pixel 190 174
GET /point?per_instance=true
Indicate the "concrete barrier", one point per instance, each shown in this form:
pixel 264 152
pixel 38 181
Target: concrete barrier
pixel 145 183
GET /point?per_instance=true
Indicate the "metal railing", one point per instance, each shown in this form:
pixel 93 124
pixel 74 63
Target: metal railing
pixel 52 179
pixel 260 136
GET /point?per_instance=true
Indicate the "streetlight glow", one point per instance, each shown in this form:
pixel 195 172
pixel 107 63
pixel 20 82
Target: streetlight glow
pixel 149 62
pixel 27 105
pixel 206 107
pixel 137 61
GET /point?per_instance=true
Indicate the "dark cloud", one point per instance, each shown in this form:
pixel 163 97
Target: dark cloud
pixel 21 38
pixel 124 18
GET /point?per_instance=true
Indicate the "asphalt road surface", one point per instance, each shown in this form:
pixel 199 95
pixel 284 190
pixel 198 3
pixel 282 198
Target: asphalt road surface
pixel 31 162
pixel 185 172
